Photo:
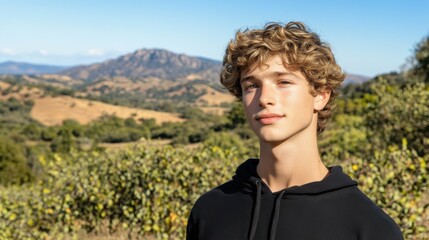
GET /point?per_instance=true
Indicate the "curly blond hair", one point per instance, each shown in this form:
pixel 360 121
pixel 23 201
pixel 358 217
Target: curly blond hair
pixel 299 48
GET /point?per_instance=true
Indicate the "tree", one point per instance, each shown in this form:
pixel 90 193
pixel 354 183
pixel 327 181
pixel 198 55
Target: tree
pixel 236 115
pixel 13 167
pixel 65 141
pixel 421 58
pixel 32 131
pixel 399 113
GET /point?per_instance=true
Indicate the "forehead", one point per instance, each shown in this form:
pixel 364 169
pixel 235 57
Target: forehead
pixel 271 65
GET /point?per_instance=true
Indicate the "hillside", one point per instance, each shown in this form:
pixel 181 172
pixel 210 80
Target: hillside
pixel 355 79
pixel 140 64
pixel 51 110
pixel 144 63
pixel 146 78
pixel 54 110
pixel 162 64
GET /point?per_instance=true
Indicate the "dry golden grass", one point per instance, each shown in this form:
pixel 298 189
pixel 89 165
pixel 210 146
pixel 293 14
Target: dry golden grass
pixel 4 85
pixel 54 110
pixel 58 77
pixel 20 94
pixel 123 84
pixel 55 80
pixel 213 97
pixel 192 77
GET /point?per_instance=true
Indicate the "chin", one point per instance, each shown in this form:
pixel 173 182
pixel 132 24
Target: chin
pixel 276 135
pixel 273 136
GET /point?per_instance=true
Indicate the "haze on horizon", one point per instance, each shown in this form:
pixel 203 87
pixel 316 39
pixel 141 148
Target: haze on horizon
pixel 367 37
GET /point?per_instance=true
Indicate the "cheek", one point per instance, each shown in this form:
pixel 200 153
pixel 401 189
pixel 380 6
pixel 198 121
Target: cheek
pixel 247 102
pixel 299 102
pixel 247 110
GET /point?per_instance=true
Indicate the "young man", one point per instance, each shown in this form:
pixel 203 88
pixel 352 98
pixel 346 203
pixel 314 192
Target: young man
pixel 286 79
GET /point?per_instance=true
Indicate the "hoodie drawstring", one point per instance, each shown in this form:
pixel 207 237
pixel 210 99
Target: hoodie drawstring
pixel 276 215
pixel 256 210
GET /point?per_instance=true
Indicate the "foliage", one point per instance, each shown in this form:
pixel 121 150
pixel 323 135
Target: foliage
pixel 151 190
pixel 396 179
pixel 236 115
pixel 231 140
pixel 399 112
pixel 14 111
pixel 344 137
pixel 421 59
pixel 13 167
pixel 195 129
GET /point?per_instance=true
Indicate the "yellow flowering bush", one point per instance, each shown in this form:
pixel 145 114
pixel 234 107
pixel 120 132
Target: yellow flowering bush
pixel 152 190
pixel 148 189
pixel 397 180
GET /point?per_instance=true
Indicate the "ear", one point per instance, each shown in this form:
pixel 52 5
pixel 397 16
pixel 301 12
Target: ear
pixel 321 100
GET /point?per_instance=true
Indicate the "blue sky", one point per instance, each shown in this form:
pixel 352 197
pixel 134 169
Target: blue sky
pixel 367 37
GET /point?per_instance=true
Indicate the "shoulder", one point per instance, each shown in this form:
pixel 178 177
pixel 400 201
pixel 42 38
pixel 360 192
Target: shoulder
pixel 219 199
pixel 219 194
pixel 214 208
pixel 372 219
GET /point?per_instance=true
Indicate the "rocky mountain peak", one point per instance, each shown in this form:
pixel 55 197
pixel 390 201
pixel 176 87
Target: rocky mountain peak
pixel 149 63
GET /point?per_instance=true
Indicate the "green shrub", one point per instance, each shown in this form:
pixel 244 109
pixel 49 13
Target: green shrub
pixel 397 180
pixel 399 112
pixel 151 190
pixel 13 164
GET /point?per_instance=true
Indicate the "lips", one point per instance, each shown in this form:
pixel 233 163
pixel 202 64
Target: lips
pixel 268 118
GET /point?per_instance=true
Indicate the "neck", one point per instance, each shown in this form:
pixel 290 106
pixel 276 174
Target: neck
pixel 294 162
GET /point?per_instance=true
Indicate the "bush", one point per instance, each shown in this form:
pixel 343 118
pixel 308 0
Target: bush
pixel 13 166
pixel 399 112
pixel 396 179
pixel 151 190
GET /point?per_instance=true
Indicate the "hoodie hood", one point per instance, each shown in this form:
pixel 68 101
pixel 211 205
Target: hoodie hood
pixel 335 180
pixel 247 175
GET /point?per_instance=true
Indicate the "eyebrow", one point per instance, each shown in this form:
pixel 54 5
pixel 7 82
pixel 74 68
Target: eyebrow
pixel 271 74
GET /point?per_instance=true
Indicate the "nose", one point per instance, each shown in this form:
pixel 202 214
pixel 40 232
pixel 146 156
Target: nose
pixel 267 96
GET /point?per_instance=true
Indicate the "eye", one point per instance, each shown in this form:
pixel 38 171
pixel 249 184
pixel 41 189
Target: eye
pixel 284 82
pixel 250 86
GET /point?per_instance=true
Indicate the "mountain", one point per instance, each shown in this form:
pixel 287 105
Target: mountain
pixel 161 64
pixel 152 72
pixel 145 63
pixel 28 68
pixel 355 79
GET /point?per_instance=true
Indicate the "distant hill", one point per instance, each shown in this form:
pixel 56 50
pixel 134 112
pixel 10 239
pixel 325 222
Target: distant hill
pixel 145 63
pixel 28 68
pixel 53 110
pixel 161 64
pixel 143 77
pixel 355 79
pixel 141 64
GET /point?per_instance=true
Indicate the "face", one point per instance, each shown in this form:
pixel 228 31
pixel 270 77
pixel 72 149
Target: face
pixel 278 103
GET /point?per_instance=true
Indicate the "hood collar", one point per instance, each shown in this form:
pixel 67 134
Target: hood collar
pixel 336 179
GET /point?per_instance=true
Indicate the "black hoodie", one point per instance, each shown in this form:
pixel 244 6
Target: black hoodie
pixel 245 208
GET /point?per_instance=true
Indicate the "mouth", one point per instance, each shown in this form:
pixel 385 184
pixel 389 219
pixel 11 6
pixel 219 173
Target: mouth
pixel 268 118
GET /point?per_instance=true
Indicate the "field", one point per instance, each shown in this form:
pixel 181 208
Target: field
pixel 54 110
